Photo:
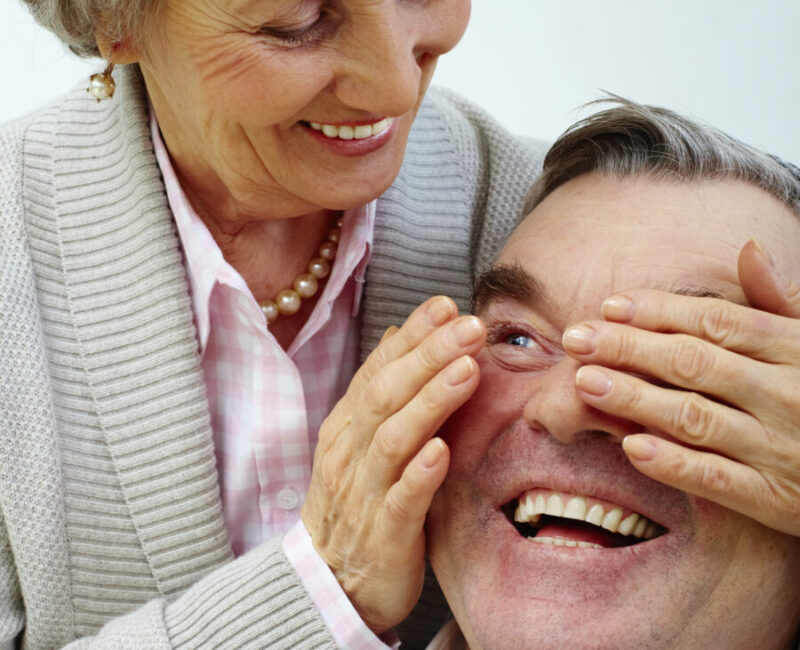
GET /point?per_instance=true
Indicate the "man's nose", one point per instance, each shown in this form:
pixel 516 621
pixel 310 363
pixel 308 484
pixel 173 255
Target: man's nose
pixel 554 407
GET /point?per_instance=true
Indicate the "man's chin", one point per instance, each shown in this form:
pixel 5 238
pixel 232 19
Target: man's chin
pixel 549 629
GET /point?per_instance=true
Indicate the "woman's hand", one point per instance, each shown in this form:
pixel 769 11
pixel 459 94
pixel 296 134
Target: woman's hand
pixel 377 466
pixel 733 433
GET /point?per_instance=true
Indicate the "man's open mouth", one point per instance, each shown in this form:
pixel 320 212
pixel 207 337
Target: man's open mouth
pixel 554 518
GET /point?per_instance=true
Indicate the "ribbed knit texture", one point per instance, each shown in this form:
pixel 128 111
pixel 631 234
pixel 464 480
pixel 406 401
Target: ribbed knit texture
pixel 109 507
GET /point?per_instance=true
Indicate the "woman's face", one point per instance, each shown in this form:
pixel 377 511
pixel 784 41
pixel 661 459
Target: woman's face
pixel 265 104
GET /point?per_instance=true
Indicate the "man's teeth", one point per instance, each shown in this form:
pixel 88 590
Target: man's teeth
pixel 533 505
pixel 560 541
pixel 352 132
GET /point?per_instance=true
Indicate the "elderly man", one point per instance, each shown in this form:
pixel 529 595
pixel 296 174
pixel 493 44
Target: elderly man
pixel 544 535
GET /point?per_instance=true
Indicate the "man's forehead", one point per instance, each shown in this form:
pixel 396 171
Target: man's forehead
pixel 596 236
pixel 712 217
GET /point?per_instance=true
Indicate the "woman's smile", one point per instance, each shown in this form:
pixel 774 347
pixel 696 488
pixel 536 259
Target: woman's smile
pixel 352 139
pixel 351 131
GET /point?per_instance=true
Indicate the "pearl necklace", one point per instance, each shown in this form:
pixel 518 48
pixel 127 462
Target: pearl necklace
pixel 288 301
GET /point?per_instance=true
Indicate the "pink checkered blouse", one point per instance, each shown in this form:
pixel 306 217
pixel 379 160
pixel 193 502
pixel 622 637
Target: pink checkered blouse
pixel 267 404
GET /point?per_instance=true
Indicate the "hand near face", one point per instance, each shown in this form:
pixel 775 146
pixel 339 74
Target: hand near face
pixel 377 465
pixel 733 433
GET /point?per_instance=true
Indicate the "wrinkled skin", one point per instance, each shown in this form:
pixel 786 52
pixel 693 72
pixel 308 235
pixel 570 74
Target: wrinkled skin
pixel 528 426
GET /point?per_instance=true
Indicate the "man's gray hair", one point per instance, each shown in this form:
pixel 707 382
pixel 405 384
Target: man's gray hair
pixel 631 139
pixel 76 22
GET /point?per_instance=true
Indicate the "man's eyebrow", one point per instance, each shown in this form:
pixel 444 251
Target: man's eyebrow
pixel 511 281
pixel 505 281
pixel 697 292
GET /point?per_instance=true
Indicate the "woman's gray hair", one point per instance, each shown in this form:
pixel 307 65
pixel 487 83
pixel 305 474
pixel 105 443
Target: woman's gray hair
pixel 77 22
pixel 633 139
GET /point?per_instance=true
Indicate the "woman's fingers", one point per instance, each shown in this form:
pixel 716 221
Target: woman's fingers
pixel 396 342
pixel 408 500
pixel 376 468
pixel 402 435
pixel 734 327
pixel 764 286
pixel 689 417
pixel 372 402
pixel 769 499
pixel 676 359
pixel 397 382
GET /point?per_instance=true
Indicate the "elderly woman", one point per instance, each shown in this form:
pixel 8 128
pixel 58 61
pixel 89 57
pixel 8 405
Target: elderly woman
pixel 190 271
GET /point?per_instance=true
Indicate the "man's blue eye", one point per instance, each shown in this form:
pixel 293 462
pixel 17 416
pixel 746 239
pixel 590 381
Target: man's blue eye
pixel 520 340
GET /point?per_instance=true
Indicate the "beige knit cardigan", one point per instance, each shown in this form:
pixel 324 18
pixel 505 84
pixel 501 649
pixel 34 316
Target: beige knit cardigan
pixel 111 530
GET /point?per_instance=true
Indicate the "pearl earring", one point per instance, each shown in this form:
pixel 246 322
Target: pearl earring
pixel 101 85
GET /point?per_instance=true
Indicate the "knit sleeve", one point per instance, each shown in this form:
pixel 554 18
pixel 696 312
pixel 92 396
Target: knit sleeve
pixel 253 602
pixel 12 616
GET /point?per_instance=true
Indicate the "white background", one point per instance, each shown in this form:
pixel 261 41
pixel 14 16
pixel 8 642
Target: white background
pixel 734 63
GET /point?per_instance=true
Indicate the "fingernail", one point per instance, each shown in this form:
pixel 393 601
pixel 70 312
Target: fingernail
pixel 460 370
pixel 390 331
pixel 618 308
pixel 788 284
pixel 432 452
pixel 593 380
pixel 762 252
pixel 639 448
pixel 579 339
pixel 468 330
pixel 439 311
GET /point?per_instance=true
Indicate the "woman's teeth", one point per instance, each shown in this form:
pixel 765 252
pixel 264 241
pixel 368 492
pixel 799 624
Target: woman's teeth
pixel 346 132
pixel 532 505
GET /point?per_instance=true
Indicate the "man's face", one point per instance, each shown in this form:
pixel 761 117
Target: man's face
pixel 690 574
